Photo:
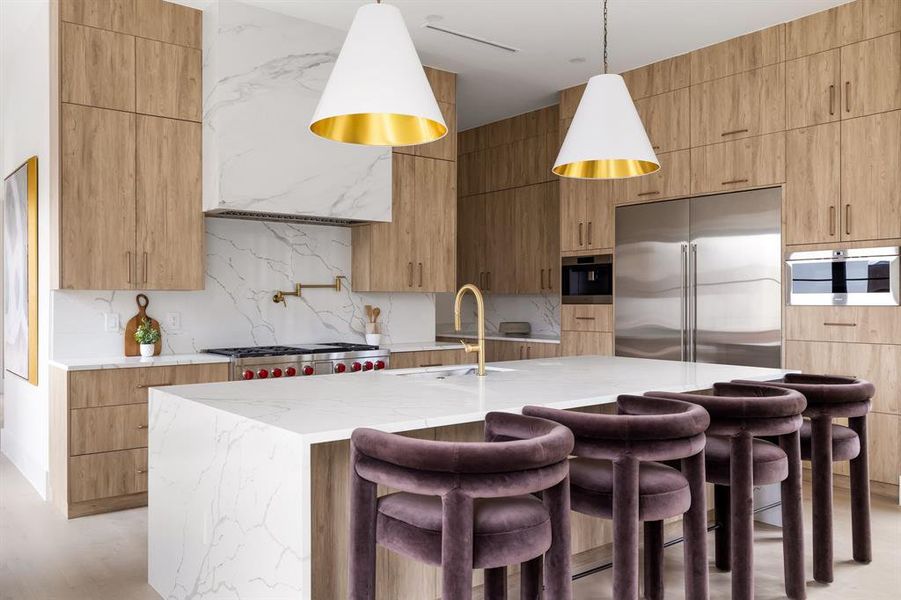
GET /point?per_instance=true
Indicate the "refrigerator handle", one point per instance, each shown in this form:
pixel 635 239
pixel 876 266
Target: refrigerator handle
pixel 694 303
pixel 683 307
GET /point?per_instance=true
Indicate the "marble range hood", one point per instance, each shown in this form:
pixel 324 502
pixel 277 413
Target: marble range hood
pixel 263 73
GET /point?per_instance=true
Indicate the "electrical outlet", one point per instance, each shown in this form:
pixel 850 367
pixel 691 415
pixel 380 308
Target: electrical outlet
pixel 111 322
pixel 173 321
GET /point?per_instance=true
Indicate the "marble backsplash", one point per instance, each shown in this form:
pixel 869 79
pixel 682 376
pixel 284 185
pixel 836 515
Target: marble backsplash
pixel 541 311
pixel 246 262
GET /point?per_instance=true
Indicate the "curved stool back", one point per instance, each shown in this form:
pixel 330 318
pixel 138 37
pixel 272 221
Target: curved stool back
pixel 829 397
pixel 740 412
pixel 524 455
pixel 645 430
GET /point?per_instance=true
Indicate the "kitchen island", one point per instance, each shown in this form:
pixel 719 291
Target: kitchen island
pixel 248 480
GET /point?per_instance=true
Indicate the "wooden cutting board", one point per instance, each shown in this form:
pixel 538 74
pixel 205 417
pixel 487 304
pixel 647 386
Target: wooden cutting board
pixel 132 348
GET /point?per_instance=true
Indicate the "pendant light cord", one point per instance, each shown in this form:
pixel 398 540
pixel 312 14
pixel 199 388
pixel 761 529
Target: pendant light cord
pixel 605 37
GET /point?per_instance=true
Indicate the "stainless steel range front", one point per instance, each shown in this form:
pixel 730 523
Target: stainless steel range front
pixel 263 362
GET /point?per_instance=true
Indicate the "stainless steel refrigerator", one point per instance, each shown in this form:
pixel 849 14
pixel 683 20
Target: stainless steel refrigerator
pixel 700 279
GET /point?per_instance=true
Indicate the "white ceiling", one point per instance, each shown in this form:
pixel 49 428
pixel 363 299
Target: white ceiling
pixel 493 84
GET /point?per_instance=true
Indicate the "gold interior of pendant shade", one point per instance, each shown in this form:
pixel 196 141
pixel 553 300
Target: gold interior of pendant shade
pixel 616 168
pixel 379 129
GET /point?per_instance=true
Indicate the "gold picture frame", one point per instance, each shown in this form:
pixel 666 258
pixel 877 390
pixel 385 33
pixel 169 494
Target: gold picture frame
pixel 20 271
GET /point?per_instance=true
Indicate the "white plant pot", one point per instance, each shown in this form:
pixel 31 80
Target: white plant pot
pixel 373 339
pixel 147 350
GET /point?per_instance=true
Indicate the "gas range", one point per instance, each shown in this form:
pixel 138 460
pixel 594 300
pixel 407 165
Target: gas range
pixel 264 362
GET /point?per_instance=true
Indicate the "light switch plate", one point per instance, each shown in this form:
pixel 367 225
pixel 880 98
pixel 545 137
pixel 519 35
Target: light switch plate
pixel 173 321
pixel 111 322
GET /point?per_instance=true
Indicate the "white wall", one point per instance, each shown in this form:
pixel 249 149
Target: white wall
pixel 25 116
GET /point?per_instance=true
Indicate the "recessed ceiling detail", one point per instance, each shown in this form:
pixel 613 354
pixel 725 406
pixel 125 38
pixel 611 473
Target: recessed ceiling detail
pixel 467 36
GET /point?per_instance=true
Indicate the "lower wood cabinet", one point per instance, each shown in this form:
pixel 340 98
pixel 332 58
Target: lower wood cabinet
pixel 500 351
pixel 430 358
pixel 586 317
pixel 582 343
pixel 862 324
pixel 98 433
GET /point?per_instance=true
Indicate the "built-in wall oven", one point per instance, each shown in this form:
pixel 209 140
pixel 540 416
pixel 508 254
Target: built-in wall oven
pixel 587 279
pixel 857 276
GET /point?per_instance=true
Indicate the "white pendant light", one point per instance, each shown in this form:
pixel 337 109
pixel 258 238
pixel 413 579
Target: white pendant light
pixel 378 94
pixel 606 139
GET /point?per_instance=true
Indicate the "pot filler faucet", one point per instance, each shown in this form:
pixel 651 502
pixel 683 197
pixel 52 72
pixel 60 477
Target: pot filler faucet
pixel 480 305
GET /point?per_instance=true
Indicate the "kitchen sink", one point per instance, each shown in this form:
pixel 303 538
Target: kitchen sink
pixel 438 373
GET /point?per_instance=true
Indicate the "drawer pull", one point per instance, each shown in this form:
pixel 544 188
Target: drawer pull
pixel 145 386
pixel 655 147
pixel 141 471
pixel 431 365
pixel 585 318
pixel 648 194
pixel 828 324
pixel 733 132
pixel 731 181
pixel 848 219
pixel 142 427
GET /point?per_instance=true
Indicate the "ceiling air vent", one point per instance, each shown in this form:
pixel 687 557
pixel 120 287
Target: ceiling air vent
pixel 471 38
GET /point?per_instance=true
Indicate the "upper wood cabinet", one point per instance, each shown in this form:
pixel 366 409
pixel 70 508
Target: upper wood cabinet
pixel 444 86
pixel 812 192
pixel 813 89
pixel 537 250
pixel 586 215
pixel 471 239
pixel 657 78
pixel 416 251
pixel 666 119
pixel 871 76
pixel 97 67
pixel 748 163
pixel 154 19
pixel 840 26
pixel 744 105
pixel 168 80
pixel 744 53
pixel 672 180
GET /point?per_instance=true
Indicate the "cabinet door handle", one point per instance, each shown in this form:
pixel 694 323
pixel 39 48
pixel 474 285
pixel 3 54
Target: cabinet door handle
pixel 832 99
pixel 648 193
pixel 847 96
pixel 420 274
pixel 581 239
pixel 142 427
pixel 141 471
pixel 655 147
pixel 584 318
pixel 848 219
pixel 550 286
pixel 528 352
pixel 145 386
pixel 733 132
pixel 731 181
pixel 128 264
pixel 431 365
pixel 541 277
pixel 488 280
pixel 831 220
pixel 145 267
pixel 828 324
pixel 521 348
pixel 410 274
pixel 589 233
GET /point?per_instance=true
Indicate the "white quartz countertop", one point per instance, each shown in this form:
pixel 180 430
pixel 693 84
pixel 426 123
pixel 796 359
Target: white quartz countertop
pixel 538 338
pixel 127 362
pixel 330 407
pixel 421 346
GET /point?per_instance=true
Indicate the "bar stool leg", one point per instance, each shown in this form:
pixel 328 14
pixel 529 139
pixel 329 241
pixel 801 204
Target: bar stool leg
pixel 557 570
pixel 496 583
pixel 456 547
pixel 363 515
pixel 694 530
pixel 530 576
pixel 860 495
pixel 653 560
pixel 741 488
pixel 723 534
pixel 625 529
pixel 793 519
pixel 821 492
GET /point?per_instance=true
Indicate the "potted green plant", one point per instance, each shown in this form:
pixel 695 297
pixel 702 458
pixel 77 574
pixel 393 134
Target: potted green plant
pixel 147 337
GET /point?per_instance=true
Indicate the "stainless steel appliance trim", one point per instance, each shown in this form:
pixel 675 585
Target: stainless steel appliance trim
pixel 693 354
pixel 889 298
pixel 837 254
pixel 683 306
pixel 599 259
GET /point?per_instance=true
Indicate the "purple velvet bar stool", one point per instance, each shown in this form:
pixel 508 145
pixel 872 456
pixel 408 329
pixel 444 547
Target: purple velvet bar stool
pixel 615 475
pixel 822 442
pixel 736 461
pixel 466 505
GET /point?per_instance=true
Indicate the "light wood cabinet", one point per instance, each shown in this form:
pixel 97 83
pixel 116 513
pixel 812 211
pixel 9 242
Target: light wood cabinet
pixel 871 178
pixel 666 119
pixel 751 51
pixel 744 105
pixel 672 180
pixel 583 343
pixel 170 244
pixel 97 204
pixel 98 433
pixel 153 19
pixel 813 89
pixel 537 249
pixel 168 80
pixel 659 77
pixel 871 76
pixel 98 67
pixel 812 192
pixel 444 86
pixel 431 358
pixel 586 214
pixel 747 163
pixel 471 239
pixel 416 251
pixel 586 317
pixel 502 351
pixel 500 243
pixel 862 324
pixel 842 25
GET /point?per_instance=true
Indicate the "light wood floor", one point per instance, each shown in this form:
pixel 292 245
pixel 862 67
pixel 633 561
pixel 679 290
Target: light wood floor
pixel 104 557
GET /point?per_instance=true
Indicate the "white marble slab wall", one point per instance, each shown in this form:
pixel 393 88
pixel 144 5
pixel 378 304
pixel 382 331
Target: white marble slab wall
pixel 263 74
pixel 542 311
pixel 246 262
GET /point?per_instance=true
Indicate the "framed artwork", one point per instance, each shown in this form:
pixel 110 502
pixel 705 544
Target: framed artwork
pixel 20 271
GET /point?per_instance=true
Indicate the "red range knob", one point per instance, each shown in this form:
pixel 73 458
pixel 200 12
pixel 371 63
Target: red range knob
pixel 247 374
pixel 340 368
pixel 356 366
pixel 290 372
pixel 308 370
pixel 276 372
pixel 379 364
pixel 262 373
pixel 367 366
